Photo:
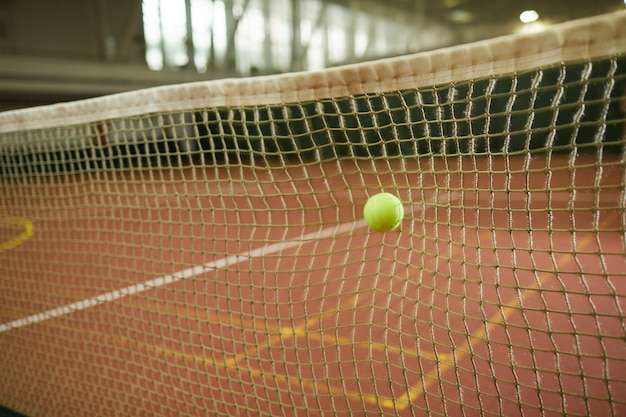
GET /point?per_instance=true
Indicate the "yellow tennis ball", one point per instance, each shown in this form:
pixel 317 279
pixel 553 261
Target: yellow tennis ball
pixel 383 212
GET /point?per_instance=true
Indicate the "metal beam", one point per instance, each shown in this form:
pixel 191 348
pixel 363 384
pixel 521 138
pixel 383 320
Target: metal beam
pixel 420 21
pixel 267 40
pixel 232 24
pixel 372 33
pixel 319 22
pixel 296 41
pixel 351 32
pixel 325 38
pixel 130 30
pixel 189 41
pixel 163 49
pixel 211 64
pixel 104 31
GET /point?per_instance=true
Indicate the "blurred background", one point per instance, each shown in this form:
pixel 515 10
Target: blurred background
pixel 61 50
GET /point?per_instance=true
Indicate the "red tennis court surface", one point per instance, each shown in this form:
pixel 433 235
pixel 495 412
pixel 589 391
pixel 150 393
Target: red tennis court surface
pixel 192 292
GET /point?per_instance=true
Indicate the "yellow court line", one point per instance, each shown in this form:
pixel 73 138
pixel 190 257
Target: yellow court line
pixel 381 347
pixel 234 361
pixel 387 402
pixel 406 399
pixel 231 363
pixel 445 363
pixel 22 237
pixel 280 332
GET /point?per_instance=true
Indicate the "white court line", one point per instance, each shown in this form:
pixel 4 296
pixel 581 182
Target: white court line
pixel 196 270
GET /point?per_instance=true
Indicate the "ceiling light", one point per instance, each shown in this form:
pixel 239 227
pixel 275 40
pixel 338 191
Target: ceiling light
pixel 529 16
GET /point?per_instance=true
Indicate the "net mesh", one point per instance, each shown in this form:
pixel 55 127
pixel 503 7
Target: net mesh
pixel 211 259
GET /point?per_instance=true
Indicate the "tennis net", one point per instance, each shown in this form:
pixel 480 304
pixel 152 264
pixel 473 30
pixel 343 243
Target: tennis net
pixel 199 249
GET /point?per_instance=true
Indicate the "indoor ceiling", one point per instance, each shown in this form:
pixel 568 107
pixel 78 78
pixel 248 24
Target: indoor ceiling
pixel 490 11
pixel 467 20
